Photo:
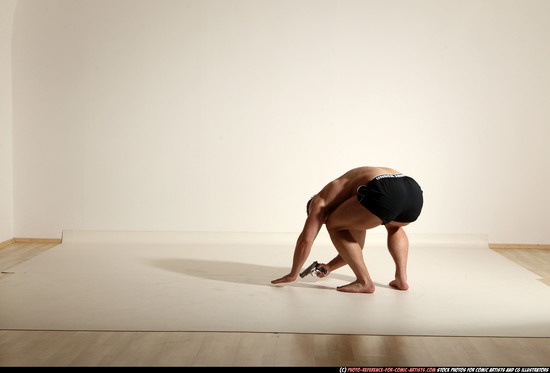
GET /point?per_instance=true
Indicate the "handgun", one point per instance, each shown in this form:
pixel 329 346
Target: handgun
pixel 313 270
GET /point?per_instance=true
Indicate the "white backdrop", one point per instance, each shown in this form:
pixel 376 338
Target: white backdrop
pixel 220 115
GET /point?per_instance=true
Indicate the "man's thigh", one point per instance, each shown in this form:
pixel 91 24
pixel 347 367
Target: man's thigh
pixel 351 215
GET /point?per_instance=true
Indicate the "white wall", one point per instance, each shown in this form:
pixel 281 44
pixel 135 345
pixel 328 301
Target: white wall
pixel 172 115
pixel 7 8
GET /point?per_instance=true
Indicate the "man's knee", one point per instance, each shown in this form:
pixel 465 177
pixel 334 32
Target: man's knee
pixel 331 228
pixel 333 225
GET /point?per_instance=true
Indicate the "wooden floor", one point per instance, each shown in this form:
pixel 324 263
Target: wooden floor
pixel 106 348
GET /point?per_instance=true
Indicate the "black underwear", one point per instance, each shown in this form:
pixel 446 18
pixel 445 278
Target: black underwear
pixel 392 197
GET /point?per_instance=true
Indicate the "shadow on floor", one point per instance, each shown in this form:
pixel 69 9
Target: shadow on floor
pixel 243 273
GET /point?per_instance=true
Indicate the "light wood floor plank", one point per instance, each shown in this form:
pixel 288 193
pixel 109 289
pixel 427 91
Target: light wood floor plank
pixel 20 252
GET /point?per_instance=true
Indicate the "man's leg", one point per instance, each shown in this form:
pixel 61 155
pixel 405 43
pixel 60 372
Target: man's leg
pixel 350 251
pixel 398 246
pixel 359 235
pixel 347 219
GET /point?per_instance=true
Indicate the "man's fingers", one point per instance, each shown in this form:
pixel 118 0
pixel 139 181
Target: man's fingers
pixel 282 280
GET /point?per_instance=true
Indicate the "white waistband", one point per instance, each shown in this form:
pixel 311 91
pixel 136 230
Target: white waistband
pixel 384 176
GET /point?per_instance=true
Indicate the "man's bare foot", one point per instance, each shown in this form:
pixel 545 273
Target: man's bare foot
pixel 356 287
pixel 400 285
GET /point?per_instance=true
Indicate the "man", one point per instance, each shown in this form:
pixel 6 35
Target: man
pixel 361 199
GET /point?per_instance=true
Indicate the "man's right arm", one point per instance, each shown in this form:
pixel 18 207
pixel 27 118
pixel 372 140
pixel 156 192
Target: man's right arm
pixel 320 208
pixel 313 224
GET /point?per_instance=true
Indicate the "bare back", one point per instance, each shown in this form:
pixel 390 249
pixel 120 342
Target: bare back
pixel 345 187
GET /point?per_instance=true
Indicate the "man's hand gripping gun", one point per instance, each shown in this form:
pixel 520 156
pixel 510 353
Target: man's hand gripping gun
pixel 313 270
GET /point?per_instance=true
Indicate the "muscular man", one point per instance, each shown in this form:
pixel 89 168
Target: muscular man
pixel 361 199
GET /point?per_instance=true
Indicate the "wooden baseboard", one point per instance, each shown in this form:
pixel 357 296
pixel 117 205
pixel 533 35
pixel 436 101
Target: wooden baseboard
pixel 6 243
pixel 497 246
pixel 494 246
pixel 30 240
pixel 37 240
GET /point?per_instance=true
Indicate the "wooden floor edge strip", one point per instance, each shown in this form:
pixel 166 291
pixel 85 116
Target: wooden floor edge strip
pixel 496 246
pixel 6 243
pixel 37 240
